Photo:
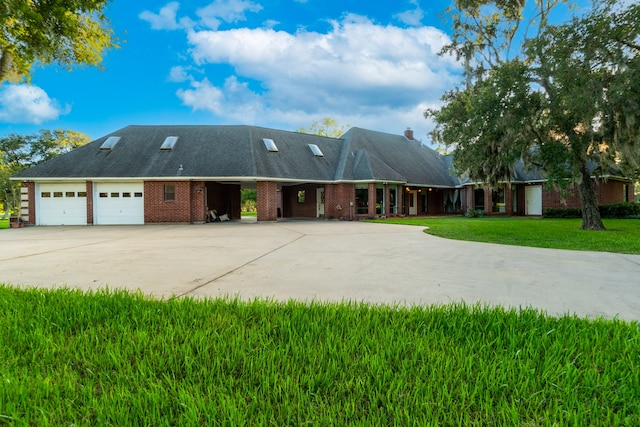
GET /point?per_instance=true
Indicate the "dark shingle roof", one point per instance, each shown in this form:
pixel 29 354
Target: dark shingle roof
pixel 392 158
pixel 203 151
pixel 238 152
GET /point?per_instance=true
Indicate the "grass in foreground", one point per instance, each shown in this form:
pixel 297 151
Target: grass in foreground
pixel 70 358
pixel 622 235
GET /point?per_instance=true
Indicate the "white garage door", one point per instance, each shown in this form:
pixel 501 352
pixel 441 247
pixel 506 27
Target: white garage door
pixel 61 204
pixel 533 200
pixel 118 203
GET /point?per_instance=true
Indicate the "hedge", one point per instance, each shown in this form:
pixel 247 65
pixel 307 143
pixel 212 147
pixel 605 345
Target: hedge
pixel 616 210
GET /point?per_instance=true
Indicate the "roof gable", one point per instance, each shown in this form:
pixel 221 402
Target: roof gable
pixel 394 155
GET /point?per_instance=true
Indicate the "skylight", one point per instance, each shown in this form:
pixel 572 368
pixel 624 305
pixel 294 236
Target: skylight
pixel 316 150
pixel 109 143
pixel 270 145
pixel 168 143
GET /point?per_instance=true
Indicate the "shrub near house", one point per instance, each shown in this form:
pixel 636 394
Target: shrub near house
pixel 617 210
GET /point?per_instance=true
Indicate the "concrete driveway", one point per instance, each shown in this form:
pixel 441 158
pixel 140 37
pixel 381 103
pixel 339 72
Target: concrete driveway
pixel 320 260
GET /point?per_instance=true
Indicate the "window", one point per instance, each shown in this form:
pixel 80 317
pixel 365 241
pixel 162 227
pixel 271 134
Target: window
pixel 82 194
pixel 362 199
pixel 393 195
pixel 498 200
pixel 45 194
pixel 109 143
pixel 478 199
pixel 103 195
pixel 270 145
pixel 169 193
pixel 301 196
pixel 169 143
pixel 126 194
pixel 137 194
pixel 452 201
pixel 625 194
pixel 380 200
pixel 57 194
pixel 316 150
pixel 115 194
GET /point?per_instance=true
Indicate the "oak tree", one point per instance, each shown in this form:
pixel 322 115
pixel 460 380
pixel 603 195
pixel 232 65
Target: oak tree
pixel 562 98
pixel 67 32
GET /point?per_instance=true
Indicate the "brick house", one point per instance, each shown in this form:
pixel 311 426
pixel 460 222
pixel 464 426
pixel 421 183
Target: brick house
pixel 155 174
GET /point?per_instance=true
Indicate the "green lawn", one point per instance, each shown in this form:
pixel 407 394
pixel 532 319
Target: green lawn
pixel 69 358
pixel 622 235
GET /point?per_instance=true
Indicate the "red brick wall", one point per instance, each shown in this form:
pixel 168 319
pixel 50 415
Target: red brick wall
pixel 156 209
pixel 89 191
pixel 608 192
pixel 198 208
pixel 611 192
pixel 336 201
pixel 292 208
pixel 267 201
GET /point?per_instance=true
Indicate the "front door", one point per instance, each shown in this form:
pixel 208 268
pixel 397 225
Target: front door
pixel 320 202
pixel 413 202
pixel 533 200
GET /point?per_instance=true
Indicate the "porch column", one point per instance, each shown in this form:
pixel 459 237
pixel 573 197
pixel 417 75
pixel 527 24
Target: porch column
pixel 372 200
pixel 387 199
pixel 198 208
pixel 267 201
pixel 508 199
pixel 488 201
pixel 89 191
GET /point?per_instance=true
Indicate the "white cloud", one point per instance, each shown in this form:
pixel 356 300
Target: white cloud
pixel 228 11
pixel 165 19
pixel 357 65
pixel 233 100
pixel 210 16
pixel 358 72
pixel 411 17
pixel 178 74
pixel 23 103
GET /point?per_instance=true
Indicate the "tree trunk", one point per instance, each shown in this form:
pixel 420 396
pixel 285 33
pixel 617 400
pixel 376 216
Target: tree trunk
pixel 591 219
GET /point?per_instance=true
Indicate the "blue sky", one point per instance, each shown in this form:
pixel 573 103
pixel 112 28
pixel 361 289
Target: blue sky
pixel 273 63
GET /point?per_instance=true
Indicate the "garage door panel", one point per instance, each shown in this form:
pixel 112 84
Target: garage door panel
pixel 62 204
pixel 121 203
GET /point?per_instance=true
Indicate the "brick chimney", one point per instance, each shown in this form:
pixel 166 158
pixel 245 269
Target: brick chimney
pixel 409 134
